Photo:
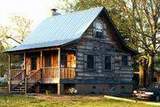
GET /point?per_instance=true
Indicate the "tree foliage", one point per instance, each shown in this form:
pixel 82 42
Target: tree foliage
pixel 137 20
pixel 21 27
pixel 9 35
pixel 16 32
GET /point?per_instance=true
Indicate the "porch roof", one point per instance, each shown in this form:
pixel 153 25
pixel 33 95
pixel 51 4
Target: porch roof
pixel 59 30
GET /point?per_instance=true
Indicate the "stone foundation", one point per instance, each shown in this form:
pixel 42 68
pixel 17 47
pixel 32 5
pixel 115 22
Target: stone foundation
pixel 108 89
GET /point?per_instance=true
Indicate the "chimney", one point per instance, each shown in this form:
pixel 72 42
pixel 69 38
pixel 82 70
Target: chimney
pixel 54 12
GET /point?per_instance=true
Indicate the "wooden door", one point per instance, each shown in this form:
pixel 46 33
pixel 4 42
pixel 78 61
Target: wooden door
pixel 28 64
pixel 71 60
pixel 54 60
pixel 32 63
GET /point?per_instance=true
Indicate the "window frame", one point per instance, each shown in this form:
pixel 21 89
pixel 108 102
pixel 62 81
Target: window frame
pixel 93 62
pixel 110 63
pixel 97 29
pixel 122 60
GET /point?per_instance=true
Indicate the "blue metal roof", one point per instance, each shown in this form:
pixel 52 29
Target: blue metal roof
pixel 59 30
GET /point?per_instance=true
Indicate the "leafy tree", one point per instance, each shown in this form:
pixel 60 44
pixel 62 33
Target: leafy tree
pixel 20 27
pixel 3 61
pixel 137 20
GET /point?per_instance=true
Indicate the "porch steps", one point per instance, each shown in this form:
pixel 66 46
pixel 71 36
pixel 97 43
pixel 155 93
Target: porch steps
pixel 19 89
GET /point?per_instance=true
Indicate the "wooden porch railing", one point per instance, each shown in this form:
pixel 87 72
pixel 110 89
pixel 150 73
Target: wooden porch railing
pixel 46 72
pixel 65 73
pixel 50 72
pixel 17 74
pixel 35 76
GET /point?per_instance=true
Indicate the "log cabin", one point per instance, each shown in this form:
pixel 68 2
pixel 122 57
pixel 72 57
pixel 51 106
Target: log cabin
pixel 81 50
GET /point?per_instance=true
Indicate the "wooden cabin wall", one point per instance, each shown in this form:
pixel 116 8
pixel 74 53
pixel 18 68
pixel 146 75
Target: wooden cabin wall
pixel 54 60
pixel 28 64
pixel 38 62
pixel 89 45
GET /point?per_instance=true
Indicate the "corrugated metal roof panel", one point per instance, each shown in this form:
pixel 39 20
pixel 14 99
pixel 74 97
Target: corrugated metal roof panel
pixel 60 29
pixel 40 45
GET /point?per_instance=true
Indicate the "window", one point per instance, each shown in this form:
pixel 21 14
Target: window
pixel 33 62
pixel 108 63
pixel 98 25
pixel 48 60
pixel 90 61
pixel 124 60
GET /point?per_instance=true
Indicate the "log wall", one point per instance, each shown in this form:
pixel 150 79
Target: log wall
pixel 101 47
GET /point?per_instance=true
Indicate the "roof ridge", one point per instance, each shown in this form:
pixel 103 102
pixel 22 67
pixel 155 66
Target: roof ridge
pixel 79 11
pixel 60 29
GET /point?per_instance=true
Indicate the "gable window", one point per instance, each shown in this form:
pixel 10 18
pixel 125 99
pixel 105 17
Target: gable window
pixel 98 25
pixel 33 62
pixel 48 60
pixel 124 60
pixel 108 65
pixel 90 61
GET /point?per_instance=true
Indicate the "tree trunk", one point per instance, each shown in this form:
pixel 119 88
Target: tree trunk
pixel 151 70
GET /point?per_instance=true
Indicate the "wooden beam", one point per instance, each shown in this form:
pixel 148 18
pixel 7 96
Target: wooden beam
pixel 25 73
pixel 35 50
pixel 41 59
pixel 59 64
pixel 24 61
pixel 58 89
pixel 9 73
pixel 41 64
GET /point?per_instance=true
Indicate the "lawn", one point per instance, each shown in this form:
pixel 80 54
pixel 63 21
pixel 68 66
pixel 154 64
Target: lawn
pixel 64 101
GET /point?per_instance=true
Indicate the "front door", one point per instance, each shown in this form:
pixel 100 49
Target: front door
pixel 32 63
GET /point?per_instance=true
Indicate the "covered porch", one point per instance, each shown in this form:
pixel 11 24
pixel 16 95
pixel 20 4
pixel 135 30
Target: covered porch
pixel 43 66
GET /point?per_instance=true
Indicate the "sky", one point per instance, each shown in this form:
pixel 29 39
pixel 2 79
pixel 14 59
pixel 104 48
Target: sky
pixel 36 10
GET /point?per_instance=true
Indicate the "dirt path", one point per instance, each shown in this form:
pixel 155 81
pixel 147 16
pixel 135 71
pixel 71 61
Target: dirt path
pixel 67 97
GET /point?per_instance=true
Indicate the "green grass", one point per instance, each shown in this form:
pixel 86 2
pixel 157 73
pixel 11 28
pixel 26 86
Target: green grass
pixel 64 101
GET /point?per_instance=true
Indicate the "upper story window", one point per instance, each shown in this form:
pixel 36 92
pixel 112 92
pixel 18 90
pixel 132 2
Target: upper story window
pixel 98 28
pixel 108 64
pixel 124 60
pixel 90 61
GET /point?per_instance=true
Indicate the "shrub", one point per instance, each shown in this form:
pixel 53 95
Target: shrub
pixel 72 91
pixel 3 82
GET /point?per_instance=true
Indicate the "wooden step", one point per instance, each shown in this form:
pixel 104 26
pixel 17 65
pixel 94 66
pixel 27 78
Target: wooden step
pixel 18 91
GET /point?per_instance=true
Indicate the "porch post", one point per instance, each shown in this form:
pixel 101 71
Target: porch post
pixel 59 64
pixel 25 74
pixel 9 73
pixel 41 59
pixel 41 64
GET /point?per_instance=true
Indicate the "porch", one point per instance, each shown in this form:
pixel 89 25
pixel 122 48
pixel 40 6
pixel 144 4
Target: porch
pixel 40 67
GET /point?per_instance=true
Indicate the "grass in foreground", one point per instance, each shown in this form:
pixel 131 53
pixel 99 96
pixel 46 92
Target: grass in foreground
pixel 64 101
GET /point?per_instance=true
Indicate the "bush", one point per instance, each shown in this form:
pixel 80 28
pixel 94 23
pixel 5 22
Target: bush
pixel 72 91
pixel 3 82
